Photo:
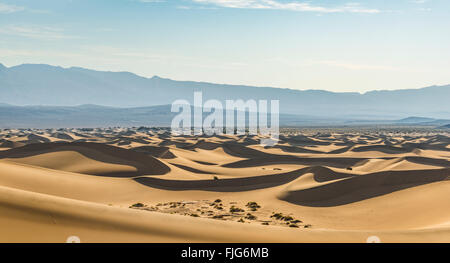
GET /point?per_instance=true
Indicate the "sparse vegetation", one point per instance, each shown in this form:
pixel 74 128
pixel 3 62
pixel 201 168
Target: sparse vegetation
pixel 211 209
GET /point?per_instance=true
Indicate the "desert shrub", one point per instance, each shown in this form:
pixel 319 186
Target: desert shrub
pixel 174 204
pixel 234 209
pixel 253 206
pixel 277 216
pixel 137 205
pixel 288 218
pixel 217 205
pixel 250 217
pixel 280 216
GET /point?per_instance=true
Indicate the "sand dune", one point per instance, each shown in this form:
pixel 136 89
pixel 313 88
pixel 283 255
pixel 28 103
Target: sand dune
pixel 86 157
pixel 357 188
pixel 144 185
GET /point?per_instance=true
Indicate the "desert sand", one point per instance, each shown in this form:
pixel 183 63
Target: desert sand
pixel 145 185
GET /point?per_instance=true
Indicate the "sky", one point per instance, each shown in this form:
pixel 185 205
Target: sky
pixel 335 45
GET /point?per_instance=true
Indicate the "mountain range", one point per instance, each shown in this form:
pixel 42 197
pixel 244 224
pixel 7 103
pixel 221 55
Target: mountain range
pixel 42 91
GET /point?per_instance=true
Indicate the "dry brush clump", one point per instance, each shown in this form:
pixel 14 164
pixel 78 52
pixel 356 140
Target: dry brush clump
pixel 250 217
pixel 137 205
pixel 234 209
pixel 253 206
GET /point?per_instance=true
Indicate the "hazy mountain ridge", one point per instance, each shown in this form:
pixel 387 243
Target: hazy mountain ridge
pixel 39 84
pixel 94 116
pixel 422 121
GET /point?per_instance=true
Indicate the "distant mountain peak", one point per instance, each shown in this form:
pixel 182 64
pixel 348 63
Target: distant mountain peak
pixel 29 66
pixel 2 66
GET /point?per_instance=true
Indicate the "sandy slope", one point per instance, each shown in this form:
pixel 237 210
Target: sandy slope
pixel 339 187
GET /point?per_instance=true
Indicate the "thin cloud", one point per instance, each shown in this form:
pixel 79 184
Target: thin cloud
pixel 35 32
pixel 8 9
pixel 151 1
pixel 291 6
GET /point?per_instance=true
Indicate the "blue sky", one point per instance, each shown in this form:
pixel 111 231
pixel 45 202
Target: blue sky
pixel 317 44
